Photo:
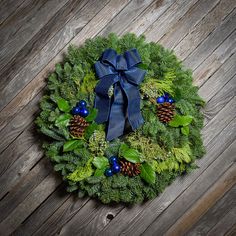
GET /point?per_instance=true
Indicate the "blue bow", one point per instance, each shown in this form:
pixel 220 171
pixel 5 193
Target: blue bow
pixel 122 72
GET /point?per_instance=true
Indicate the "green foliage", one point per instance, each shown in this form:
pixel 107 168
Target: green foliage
pixel 72 145
pixel 92 115
pixel 129 154
pixel 182 154
pixel 100 162
pixel 165 151
pixel 155 88
pixel 180 121
pixel 147 173
pixel 63 105
pixel 97 143
pixel 81 172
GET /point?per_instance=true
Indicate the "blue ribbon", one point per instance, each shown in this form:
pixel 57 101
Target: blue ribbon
pixel 121 72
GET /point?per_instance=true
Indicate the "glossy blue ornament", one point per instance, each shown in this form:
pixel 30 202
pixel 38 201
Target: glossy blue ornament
pixel 170 100
pixel 160 99
pixel 113 160
pixel 115 168
pixel 166 95
pixel 81 104
pixel 75 111
pixel 108 172
pixel 84 112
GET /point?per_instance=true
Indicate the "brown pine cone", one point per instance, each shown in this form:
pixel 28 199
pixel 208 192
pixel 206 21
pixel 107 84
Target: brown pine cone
pixel 129 168
pixel 77 126
pixel 165 112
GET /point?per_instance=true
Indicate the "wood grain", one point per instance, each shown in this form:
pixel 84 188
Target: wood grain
pixel 212 42
pixel 218 102
pixel 54 46
pixel 36 43
pixel 182 27
pixel 35 16
pixel 29 204
pixel 210 197
pixel 24 187
pixel 163 24
pixel 211 218
pixel 215 61
pixel 202 30
pixel 225 224
pixel 8 7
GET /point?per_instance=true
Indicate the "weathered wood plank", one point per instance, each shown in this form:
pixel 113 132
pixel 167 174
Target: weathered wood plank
pixel 35 44
pixel 215 60
pixel 20 168
pixel 19 123
pixel 220 101
pixel 203 29
pixel 44 211
pixel 90 220
pixel 125 17
pixel 150 15
pixel 21 27
pixel 212 42
pixel 63 214
pixel 8 7
pixel 218 79
pixel 85 215
pixel 209 198
pixel 182 27
pixel 30 203
pixel 231 232
pixel 22 189
pixel 225 224
pixel 54 46
pixel 139 217
pixel 214 214
pixel 215 126
pixel 17 148
pixel 166 21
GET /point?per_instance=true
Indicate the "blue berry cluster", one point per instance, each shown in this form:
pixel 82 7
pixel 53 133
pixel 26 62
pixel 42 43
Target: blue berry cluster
pixel 114 166
pixel 80 109
pixel 165 98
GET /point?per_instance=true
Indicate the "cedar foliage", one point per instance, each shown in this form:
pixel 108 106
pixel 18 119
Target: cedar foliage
pixel 164 148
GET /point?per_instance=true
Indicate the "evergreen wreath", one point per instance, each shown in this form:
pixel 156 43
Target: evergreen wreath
pixel 140 164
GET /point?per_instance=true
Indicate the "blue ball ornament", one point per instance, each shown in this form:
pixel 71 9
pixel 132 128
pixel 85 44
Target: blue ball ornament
pixel 115 168
pixel 108 172
pixel 84 112
pixel 166 95
pixel 170 100
pixel 81 104
pixel 160 99
pixel 75 111
pixel 113 160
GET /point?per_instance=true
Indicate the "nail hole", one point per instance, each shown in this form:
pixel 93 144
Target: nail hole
pixel 110 216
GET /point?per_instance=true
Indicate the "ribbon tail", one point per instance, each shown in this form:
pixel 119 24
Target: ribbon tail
pixel 134 113
pixel 102 100
pixel 117 115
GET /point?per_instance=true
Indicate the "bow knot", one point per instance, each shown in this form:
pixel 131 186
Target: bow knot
pixel 121 72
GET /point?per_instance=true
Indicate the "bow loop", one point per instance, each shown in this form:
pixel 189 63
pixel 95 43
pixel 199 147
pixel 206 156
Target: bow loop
pixel 111 69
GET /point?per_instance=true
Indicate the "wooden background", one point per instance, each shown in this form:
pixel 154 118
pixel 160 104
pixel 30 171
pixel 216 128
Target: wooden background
pixel 34 35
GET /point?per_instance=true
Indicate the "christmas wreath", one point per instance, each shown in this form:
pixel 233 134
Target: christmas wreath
pixel 122 118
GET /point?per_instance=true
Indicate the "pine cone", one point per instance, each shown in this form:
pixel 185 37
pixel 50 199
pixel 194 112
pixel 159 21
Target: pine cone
pixel 165 112
pixel 130 169
pixel 77 126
